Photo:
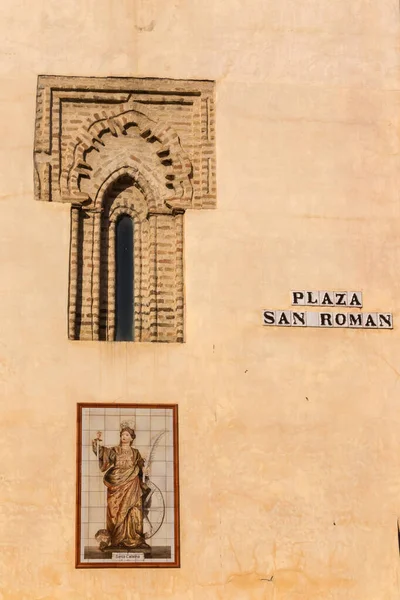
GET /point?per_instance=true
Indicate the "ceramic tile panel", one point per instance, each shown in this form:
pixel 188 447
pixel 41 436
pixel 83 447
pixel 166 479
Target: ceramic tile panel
pixel 127 463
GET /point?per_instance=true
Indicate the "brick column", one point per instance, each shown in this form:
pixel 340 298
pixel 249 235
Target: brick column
pixel 111 283
pixel 166 278
pixel 96 274
pixel 73 271
pixel 179 286
pixel 153 279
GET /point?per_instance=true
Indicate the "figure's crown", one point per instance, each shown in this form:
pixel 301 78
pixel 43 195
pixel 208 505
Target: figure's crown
pixel 131 424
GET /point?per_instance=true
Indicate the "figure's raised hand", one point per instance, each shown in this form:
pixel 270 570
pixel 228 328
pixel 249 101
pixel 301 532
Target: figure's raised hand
pixel 98 436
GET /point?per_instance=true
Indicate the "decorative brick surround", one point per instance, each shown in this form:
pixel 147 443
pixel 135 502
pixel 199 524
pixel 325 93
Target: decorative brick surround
pixel 140 147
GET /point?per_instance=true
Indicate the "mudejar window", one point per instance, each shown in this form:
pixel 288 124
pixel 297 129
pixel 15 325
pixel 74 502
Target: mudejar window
pixel 130 156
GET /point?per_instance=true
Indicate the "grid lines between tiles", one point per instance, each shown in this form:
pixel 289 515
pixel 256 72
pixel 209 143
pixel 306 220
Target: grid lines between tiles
pixel 150 424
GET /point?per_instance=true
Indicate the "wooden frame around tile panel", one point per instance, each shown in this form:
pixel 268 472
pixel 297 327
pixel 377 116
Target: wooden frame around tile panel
pixel 118 409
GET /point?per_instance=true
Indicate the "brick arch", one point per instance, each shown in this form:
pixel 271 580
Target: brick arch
pixel 174 166
pixel 124 209
pixel 147 188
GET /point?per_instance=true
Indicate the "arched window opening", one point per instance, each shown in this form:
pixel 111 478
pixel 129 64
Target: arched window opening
pixel 124 285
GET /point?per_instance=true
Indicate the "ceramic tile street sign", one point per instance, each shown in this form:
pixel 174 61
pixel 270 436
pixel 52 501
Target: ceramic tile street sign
pixel 298 318
pixel 325 298
pixel 335 314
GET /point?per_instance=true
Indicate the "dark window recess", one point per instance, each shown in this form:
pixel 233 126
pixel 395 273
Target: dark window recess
pixel 124 280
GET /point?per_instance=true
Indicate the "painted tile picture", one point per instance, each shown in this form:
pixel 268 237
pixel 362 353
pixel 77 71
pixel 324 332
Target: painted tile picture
pixel 127 486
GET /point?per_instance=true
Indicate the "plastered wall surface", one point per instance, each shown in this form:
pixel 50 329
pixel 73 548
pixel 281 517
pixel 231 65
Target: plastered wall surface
pixel 289 439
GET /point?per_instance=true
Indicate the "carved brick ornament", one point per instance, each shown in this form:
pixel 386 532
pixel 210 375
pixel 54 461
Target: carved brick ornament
pixel 126 146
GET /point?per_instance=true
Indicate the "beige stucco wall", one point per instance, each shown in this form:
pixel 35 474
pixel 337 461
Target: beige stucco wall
pixel 272 484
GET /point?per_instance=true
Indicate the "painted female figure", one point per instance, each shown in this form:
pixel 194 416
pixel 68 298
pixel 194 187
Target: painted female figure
pixel 126 491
